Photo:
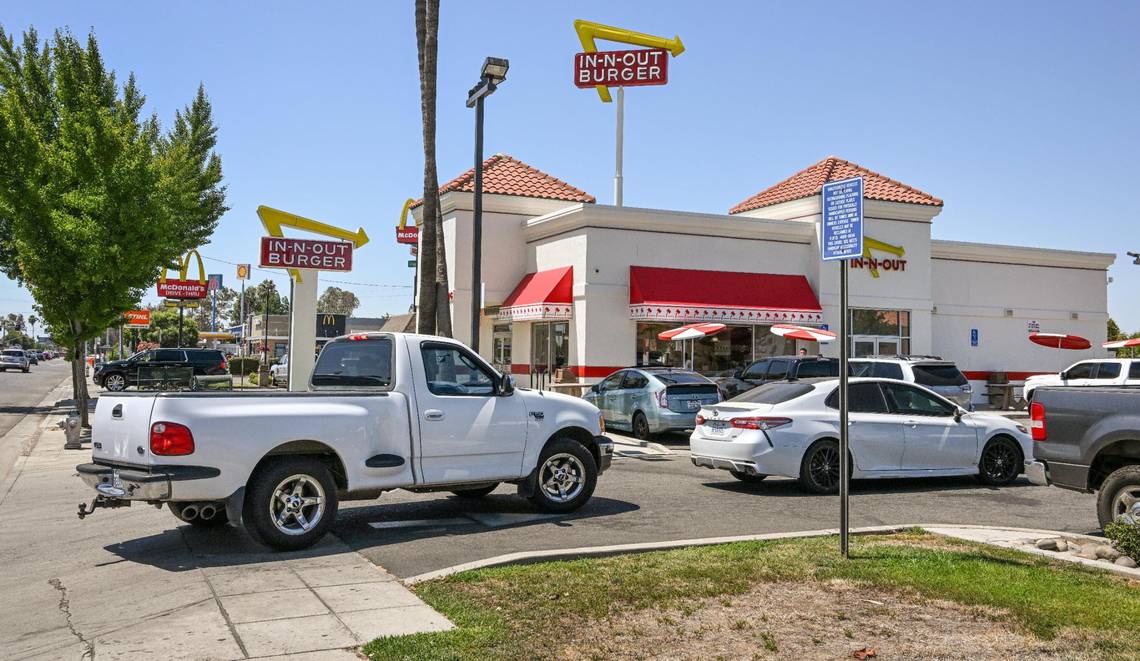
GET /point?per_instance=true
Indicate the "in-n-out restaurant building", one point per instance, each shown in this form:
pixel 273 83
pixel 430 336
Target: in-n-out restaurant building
pixel 575 285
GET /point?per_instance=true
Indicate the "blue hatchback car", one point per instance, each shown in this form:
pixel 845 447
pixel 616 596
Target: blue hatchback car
pixel 652 400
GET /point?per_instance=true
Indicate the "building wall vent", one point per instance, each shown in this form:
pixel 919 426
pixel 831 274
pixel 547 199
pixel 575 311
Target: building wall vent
pixel 1008 312
pixel 1073 316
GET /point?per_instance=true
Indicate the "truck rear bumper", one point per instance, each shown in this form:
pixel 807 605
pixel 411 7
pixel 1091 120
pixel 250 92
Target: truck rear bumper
pixel 605 453
pixel 1037 473
pixel 138 482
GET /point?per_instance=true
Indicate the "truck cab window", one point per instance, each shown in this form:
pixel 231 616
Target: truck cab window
pixel 355 363
pixel 451 371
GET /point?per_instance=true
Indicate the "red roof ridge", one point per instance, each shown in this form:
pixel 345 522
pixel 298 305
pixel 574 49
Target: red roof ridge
pixel 506 175
pixel 810 180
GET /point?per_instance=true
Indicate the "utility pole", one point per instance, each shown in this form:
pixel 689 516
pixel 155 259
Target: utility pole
pixel 181 309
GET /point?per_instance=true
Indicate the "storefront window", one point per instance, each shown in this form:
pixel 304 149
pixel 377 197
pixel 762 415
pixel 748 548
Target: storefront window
pixel 880 332
pixel 501 348
pixel 733 348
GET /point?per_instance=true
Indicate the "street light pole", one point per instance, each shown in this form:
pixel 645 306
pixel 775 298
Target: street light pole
pixel 494 73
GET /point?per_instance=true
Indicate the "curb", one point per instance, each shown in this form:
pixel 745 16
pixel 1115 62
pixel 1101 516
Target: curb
pixel 531 557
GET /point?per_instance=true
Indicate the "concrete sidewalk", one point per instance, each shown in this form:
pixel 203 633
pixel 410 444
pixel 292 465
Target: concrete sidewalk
pixel 135 583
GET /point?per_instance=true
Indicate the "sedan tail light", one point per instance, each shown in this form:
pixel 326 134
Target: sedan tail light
pixel 1037 421
pixel 700 419
pixel 171 439
pixel 760 423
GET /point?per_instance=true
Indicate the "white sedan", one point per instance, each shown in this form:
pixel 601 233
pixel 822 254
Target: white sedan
pixel 897 429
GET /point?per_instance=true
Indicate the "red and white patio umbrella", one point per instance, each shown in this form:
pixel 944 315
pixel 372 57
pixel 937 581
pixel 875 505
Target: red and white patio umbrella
pixel 690 332
pixel 803 333
pixel 1060 341
pixel 1120 344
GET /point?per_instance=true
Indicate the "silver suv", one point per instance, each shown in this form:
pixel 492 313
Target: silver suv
pixel 14 359
pixel 932 372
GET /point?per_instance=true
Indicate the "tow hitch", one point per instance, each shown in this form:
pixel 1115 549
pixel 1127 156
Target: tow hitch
pixel 101 501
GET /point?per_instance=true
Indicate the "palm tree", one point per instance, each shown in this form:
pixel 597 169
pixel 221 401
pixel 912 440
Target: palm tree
pixel 32 321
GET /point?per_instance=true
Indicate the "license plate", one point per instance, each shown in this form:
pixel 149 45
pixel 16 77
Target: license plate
pixel 693 405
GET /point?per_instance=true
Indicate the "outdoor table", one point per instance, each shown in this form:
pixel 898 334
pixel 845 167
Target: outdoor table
pixel 1008 398
pixel 575 389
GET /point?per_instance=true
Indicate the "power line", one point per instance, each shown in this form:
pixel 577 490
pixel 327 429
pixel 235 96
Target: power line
pixel 278 274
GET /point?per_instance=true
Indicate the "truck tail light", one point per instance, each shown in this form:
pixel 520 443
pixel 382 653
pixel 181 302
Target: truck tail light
pixel 356 337
pixel 171 439
pixel 1037 421
pixel 760 423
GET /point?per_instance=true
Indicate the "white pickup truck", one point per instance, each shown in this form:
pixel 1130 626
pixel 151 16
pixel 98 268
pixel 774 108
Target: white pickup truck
pixel 383 411
pixel 1096 372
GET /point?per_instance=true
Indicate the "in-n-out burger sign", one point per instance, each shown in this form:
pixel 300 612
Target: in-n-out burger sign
pixel 867 261
pixel 306 254
pixel 622 68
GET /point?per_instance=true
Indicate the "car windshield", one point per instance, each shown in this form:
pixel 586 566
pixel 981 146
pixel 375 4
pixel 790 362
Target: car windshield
pixel 13 352
pixel 673 377
pixel 774 393
pixel 355 363
pixel 938 375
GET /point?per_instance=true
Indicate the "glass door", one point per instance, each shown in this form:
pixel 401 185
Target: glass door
pixel 871 345
pixel 549 351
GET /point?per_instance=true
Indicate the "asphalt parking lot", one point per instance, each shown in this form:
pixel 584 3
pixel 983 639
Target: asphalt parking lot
pixel 665 497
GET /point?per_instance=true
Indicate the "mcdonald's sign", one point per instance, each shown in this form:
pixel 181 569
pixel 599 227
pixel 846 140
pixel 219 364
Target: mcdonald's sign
pixel 183 288
pixel 330 325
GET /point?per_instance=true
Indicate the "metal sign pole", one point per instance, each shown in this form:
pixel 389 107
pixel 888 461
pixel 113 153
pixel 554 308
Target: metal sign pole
pixel 181 309
pixel 844 469
pixel 620 132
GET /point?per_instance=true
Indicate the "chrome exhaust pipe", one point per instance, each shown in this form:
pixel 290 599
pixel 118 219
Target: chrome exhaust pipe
pixel 190 512
pixel 207 512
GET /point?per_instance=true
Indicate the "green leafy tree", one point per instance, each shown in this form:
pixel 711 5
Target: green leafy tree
pixel 1114 330
pixel 335 300
pixel 13 323
pixel 163 329
pixel 226 298
pixel 256 299
pixel 94 198
pixel 17 339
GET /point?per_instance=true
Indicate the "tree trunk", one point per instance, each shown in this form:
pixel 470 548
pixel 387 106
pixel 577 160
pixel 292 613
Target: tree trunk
pixel 79 379
pixel 427 32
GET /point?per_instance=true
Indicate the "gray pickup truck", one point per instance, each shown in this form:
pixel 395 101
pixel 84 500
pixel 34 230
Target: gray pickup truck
pixel 1088 439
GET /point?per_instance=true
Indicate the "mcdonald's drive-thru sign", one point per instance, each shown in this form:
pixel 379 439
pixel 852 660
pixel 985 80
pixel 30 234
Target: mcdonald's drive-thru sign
pixel 331 325
pixel 183 288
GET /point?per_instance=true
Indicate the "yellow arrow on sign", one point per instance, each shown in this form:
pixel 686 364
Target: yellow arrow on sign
pixel 589 32
pixel 275 219
pixel 869 244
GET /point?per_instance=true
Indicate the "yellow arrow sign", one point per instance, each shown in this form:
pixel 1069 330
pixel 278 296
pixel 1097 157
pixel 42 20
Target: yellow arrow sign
pixel 275 219
pixel 589 32
pixel 874 244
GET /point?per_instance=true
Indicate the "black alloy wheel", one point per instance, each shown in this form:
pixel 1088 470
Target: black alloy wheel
pixel 641 427
pixel 1000 462
pixel 819 470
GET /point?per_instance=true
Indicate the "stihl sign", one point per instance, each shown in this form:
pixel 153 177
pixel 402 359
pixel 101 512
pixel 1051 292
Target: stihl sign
pixel 182 289
pixel 622 68
pixel 137 318
pixel 282 253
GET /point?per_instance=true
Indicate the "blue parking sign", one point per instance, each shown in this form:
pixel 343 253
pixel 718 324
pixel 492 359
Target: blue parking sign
pixel 973 337
pixel 842 228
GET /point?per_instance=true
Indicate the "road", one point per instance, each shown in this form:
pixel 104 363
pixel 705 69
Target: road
pixel 20 395
pixel 659 498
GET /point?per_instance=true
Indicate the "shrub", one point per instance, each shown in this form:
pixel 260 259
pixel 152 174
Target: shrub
pixel 240 366
pixel 1125 537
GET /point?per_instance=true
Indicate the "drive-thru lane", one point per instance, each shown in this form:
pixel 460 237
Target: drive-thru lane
pixel 664 497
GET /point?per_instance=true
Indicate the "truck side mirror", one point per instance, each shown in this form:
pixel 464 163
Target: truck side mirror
pixel 507 385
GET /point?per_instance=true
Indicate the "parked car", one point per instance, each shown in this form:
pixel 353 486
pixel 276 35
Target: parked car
pixel 384 411
pixel 776 368
pixel 118 375
pixel 897 429
pixel 1088 439
pixel 652 400
pixel 33 358
pixel 14 359
pixel 941 376
pixel 1103 372
pixel 279 372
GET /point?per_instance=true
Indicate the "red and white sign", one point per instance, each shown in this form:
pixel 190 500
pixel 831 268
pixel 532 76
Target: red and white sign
pixel 137 318
pixel 622 68
pixel 408 235
pixel 182 289
pixel 281 253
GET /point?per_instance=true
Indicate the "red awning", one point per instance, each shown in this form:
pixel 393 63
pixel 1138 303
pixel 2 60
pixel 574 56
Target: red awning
pixel 665 294
pixel 541 295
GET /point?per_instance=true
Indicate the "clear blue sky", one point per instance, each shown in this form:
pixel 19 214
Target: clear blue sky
pixel 1022 116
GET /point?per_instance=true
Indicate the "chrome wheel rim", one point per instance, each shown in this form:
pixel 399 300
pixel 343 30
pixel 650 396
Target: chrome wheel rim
pixel 1000 462
pixel 824 466
pixel 297 505
pixel 562 477
pixel 115 382
pixel 1126 503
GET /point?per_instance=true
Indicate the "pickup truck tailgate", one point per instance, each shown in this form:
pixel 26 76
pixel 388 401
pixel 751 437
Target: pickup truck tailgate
pixel 121 428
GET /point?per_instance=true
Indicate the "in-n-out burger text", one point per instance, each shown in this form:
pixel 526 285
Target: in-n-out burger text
pixel 182 289
pixel 282 253
pixel 885 264
pixel 622 68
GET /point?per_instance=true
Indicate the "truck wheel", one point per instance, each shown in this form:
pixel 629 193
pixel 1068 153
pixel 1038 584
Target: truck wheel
pixel 478 492
pixel 1119 495
pixel 290 503
pixel 201 515
pixel 567 475
pixel 1001 462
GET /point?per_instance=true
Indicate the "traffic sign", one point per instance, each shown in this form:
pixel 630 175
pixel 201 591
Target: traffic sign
pixel 214 281
pixel 411 263
pixel 306 254
pixel 137 318
pixel 627 68
pixel 842 227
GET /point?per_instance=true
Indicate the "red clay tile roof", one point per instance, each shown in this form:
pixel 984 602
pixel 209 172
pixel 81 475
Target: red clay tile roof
pixel 504 175
pixel 810 180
